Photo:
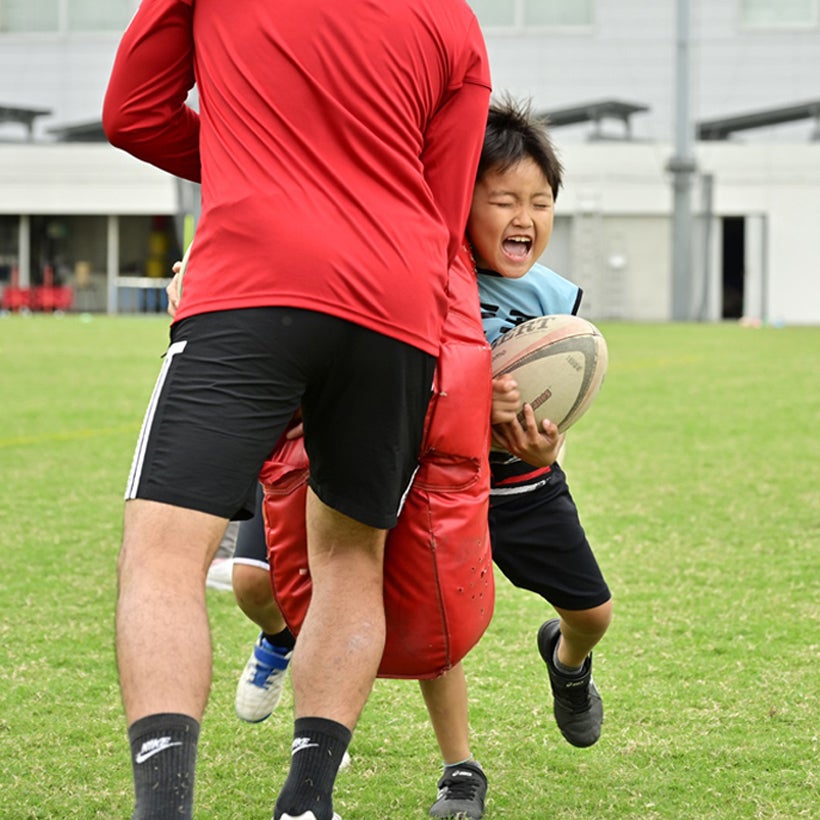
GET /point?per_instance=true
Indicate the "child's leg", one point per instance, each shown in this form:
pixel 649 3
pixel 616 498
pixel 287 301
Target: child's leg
pixel 261 683
pixel 446 701
pixel 580 631
pixel 540 545
pixel 251 586
pixel 462 788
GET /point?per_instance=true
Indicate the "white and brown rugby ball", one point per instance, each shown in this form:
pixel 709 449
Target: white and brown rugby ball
pixel 559 363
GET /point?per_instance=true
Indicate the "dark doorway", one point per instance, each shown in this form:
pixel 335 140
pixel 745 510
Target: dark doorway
pixel 733 265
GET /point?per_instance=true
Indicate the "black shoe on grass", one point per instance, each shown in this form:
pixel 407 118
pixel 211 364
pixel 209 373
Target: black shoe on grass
pixel 461 792
pixel 577 705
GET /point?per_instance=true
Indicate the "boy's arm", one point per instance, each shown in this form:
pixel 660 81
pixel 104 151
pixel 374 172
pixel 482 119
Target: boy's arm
pixel 144 111
pixel 538 447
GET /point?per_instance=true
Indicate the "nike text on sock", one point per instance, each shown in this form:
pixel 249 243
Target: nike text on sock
pixel 317 750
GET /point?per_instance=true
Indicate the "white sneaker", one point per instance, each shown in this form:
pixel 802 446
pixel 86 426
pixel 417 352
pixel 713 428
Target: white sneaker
pixel 220 575
pixel 346 761
pixel 260 686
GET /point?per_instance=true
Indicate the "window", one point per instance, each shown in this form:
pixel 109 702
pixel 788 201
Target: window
pixel 61 16
pixel 557 13
pixel 517 14
pixel 778 13
pixel 29 15
pixel 99 15
pixel 9 246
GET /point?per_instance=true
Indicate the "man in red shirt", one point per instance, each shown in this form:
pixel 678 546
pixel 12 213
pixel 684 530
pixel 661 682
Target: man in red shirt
pixel 336 145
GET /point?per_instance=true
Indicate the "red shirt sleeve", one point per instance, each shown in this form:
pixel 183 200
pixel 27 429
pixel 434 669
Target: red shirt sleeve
pixel 144 111
pixel 457 130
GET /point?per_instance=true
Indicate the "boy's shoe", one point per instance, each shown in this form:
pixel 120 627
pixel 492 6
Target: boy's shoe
pixel 461 792
pixel 260 686
pixel 577 705
pixel 307 815
pixel 220 575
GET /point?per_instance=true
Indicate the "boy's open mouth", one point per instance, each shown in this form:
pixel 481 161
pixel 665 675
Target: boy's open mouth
pixel 517 247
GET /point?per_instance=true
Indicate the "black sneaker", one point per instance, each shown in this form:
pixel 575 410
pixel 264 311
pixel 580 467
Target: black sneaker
pixel 461 792
pixel 577 705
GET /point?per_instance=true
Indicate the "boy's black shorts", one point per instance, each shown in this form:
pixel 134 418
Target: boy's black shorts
pixel 251 546
pixel 232 381
pixel 539 544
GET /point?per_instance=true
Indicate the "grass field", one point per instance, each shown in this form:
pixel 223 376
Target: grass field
pixel 697 474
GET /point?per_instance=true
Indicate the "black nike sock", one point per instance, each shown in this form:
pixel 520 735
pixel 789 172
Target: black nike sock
pixel 318 747
pixel 163 755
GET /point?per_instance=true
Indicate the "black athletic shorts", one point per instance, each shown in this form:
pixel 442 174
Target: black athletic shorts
pixel 539 544
pixel 232 381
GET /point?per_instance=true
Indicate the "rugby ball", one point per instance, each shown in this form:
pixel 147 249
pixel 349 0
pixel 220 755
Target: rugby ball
pixel 559 363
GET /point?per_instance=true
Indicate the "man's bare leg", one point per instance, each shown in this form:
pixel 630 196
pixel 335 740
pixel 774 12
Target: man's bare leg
pixel 342 639
pixel 164 649
pixel 337 654
pixel 163 637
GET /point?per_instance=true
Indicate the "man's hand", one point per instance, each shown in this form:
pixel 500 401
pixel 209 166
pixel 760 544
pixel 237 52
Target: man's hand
pixel 174 289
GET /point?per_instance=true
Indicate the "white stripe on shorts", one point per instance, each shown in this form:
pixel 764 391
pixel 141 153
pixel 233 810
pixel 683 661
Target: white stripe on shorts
pixel 407 490
pixel 142 441
pixel 252 562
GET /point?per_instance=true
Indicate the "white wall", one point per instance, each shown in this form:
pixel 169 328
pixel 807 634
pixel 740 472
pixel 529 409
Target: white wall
pixel 81 178
pixel 614 211
pixel 629 54
pixel 783 182
pixel 66 75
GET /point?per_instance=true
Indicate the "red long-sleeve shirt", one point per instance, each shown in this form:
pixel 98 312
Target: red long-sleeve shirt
pixel 336 143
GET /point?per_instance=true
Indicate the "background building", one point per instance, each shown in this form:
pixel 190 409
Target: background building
pixel 605 71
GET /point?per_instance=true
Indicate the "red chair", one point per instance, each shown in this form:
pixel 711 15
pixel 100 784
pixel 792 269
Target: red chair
pixel 49 298
pixel 15 298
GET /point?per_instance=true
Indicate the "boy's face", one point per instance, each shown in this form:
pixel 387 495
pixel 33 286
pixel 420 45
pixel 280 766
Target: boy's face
pixel 510 219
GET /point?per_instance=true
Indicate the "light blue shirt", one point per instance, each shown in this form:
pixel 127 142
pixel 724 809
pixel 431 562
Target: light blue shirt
pixel 506 303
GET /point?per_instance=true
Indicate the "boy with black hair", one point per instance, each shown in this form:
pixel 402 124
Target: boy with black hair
pixel 537 538
pixel 538 541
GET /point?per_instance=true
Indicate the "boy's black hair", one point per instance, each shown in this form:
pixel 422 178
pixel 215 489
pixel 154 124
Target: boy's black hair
pixel 514 134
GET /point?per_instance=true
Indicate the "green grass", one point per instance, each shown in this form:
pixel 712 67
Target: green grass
pixel 697 474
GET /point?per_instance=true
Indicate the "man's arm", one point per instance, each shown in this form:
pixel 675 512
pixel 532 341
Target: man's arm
pixel 144 111
pixel 451 152
pixel 453 143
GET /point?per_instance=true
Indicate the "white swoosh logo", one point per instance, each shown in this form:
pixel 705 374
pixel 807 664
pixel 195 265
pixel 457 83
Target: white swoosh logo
pixel 154 748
